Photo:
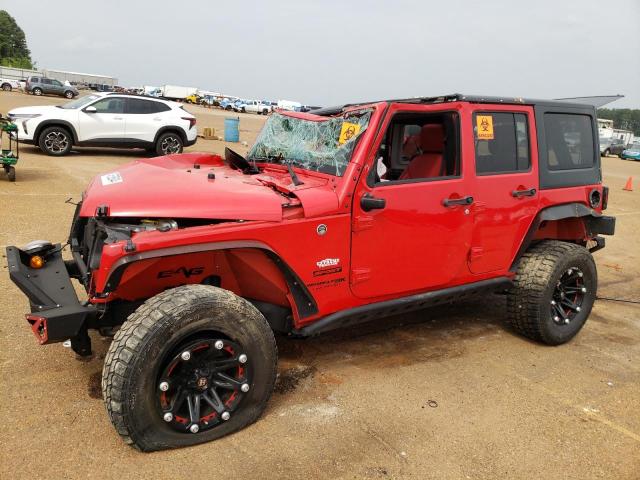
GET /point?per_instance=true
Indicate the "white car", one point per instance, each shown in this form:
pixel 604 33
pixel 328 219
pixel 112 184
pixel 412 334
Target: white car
pixel 107 120
pixel 7 84
pixel 255 106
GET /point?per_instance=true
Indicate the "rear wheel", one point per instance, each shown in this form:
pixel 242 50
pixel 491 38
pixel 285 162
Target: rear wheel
pixel 555 287
pixel 37 91
pixel 68 94
pixel 56 141
pixel 11 174
pixel 191 365
pixel 169 143
pixel 607 152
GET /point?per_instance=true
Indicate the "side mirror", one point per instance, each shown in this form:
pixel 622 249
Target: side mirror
pixel 90 110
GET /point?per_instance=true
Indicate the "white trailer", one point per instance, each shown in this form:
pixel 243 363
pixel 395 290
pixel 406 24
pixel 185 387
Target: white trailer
pixel 176 92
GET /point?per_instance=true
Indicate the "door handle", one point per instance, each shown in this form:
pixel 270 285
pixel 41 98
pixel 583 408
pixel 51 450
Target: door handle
pixel 452 202
pixel 524 193
pixel 368 202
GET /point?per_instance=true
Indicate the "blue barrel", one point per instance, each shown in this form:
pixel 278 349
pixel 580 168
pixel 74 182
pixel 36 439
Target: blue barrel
pixel 231 130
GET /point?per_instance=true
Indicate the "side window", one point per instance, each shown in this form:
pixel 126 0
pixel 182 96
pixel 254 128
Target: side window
pixel 109 105
pixel 569 141
pixel 45 81
pixel 141 107
pixel 56 83
pixel 418 147
pixel 501 142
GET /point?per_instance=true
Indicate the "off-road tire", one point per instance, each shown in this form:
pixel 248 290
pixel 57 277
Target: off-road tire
pixel 68 94
pixel 6 87
pixel 37 91
pixel 538 273
pixel 11 174
pixel 170 137
pixel 49 149
pixel 134 358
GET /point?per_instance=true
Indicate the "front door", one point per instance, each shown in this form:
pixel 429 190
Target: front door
pixel 505 187
pixel 412 220
pixel 106 123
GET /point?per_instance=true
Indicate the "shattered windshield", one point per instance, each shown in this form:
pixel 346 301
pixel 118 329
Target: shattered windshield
pixel 324 145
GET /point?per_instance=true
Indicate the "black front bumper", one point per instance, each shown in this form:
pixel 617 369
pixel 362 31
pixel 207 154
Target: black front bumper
pixel 56 313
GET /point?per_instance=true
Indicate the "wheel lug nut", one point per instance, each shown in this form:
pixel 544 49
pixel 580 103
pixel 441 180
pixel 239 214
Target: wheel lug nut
pixel 186 356
pixel 245 387
pixel 225 416
pixel 219 344
pixel 556 318
pixel 583 290
pixel 578 309
pixel 580 274
pixel 242 358
pixel 194 428
pixel 553 302
pixel 168 417
pixel 164 386
pixel 566 320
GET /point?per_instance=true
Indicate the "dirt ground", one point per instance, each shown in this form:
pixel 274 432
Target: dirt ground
pixel 446 393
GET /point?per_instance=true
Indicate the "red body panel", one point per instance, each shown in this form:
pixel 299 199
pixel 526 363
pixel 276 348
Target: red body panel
pixel 344 256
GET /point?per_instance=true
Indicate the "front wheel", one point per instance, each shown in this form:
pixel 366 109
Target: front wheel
pixel 55 141
pixel 169 143
pixel 607 152
pixel 11 173
pixel 191 365
pixel 6 87
pixel 68 94
pixel 554 290
pixel 37 91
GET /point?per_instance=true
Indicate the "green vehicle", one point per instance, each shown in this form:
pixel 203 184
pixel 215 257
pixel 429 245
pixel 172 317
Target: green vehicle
pixel 9 156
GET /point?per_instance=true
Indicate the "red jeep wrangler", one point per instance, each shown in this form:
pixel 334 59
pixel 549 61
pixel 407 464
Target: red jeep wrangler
pixel 334 217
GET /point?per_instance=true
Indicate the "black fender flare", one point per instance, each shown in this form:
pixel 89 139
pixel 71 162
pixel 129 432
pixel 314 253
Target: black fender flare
pixel 305 303
pixel 54 123
pixel 171 128
pixel 595 223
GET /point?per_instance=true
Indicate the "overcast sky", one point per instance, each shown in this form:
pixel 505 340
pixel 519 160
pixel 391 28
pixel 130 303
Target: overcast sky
pixel 336 51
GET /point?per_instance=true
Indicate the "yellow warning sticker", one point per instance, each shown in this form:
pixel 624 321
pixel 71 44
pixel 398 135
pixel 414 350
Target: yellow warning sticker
pixel 348 131
pixel 485 127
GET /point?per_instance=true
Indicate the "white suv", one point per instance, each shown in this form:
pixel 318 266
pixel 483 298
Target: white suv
pixel 107 120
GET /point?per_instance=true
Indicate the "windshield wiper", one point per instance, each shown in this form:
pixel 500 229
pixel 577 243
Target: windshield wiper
pixel 294 178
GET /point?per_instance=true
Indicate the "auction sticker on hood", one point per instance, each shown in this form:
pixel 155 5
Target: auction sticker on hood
pixel 111 178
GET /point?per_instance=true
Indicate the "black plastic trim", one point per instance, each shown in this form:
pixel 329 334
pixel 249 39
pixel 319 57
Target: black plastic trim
pixel 354 316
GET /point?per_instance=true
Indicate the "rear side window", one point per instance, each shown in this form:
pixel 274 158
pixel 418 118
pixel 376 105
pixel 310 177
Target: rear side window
pixel 501 142
pixel 569 141
pixel 140 106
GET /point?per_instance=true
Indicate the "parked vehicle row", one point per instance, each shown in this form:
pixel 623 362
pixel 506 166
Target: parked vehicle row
pixel 107 120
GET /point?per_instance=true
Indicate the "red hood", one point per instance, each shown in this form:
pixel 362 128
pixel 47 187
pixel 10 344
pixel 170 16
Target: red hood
pixel 172 187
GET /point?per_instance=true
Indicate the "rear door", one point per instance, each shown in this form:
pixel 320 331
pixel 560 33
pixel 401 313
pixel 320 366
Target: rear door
pixel 505 184
pixel 144 118
pixel 105 124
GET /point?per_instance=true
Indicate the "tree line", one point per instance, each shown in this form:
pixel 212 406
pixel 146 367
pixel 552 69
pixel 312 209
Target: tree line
pixel 624 118
pixel 13 44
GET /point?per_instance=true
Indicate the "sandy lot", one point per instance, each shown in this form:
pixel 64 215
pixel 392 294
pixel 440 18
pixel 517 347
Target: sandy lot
pixel 352 404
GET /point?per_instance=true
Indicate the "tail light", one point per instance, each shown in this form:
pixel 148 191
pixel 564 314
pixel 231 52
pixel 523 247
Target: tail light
pixel 191 120
pixel 605 197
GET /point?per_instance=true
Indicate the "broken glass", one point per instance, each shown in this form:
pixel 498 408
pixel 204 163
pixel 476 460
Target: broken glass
pixel 312 142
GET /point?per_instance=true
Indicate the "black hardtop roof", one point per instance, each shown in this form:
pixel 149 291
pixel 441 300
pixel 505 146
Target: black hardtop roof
pixel 459 97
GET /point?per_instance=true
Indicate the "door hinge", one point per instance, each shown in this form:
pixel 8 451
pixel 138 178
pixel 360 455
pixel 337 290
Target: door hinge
pixel 362 222
pixel 475 253
pixel 359 275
